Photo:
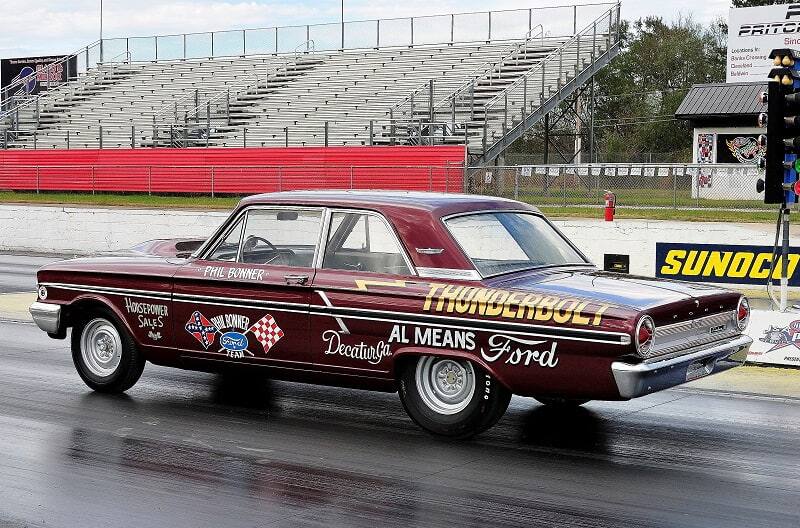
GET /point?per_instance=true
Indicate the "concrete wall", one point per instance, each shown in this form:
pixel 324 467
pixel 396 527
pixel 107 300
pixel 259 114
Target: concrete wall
pixel 47 229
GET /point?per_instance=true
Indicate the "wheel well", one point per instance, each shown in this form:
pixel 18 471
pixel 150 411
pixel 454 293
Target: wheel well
pixel 78 310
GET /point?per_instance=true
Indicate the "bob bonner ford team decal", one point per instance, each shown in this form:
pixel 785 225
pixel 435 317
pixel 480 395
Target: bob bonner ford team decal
pixel 233 330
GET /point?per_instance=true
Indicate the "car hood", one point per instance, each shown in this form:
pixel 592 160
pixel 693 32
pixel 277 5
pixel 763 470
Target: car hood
pixel 641 293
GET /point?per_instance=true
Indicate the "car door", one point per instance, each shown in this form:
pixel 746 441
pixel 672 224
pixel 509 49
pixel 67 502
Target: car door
pixel 363 282
pixel 246 298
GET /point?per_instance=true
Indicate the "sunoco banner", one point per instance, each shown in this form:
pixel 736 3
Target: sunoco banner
pixel 730 264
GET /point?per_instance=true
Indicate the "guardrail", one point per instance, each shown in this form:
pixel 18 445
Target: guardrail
pixel 228 180
pixel 664 186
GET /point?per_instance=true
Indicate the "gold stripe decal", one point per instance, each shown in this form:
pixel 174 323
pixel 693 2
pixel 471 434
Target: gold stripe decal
pixel 364 285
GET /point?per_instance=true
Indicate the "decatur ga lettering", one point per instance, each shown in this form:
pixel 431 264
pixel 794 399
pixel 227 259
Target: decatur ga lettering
pixel 372 354
pixel 501 346
pixel 492 302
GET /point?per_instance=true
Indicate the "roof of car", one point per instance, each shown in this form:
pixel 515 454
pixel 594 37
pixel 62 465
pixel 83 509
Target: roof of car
pixel 376 199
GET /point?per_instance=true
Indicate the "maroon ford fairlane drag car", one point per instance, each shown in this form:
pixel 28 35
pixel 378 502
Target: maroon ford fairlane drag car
pixel 455 301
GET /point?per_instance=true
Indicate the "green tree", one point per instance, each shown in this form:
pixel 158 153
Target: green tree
pixel 639 92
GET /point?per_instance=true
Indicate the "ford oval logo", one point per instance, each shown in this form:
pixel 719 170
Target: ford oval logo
pixel 234 341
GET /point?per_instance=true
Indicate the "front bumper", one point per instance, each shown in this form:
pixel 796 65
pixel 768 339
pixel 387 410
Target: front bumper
pixel 634 380
pixel 46 316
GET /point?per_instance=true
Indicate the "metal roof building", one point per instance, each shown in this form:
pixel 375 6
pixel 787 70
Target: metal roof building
pixel 728 104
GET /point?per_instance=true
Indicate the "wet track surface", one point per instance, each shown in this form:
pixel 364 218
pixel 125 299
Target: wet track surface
pixel 195 449
pixel 18 273
pixel 187 449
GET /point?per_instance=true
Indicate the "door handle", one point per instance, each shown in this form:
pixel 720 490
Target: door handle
pixel 296 279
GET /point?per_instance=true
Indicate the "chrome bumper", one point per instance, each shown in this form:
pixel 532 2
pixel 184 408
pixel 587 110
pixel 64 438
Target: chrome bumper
pixel 659 374
pixel 46 316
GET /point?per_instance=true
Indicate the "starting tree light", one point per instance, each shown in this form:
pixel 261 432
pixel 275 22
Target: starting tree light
pixel 782 123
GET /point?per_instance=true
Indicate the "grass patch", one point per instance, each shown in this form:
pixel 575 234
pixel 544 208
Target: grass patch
pixel 228 202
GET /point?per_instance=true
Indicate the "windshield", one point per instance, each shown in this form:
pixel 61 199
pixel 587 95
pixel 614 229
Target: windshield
pixel 502 242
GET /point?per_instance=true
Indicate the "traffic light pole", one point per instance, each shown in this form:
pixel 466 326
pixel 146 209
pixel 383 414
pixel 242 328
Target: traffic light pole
pixel 785 211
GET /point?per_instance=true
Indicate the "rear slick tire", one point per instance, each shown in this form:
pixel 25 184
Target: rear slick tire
pixel 104 353
pixel 451 397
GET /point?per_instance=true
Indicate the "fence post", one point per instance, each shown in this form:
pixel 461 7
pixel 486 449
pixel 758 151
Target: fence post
pixel 489 38
pixel 286 136
pixel 412 31
pixel 67 139
pixel 149 179
pixel 244 137
pixel 326 133
pixel 371 131
pixel 430 101
pixel 675 188
pixel 516 184
pixel 574 19
pixel 133 136
pixel 35 146
pixel 212 182
pixel 564 185
pixel 378 34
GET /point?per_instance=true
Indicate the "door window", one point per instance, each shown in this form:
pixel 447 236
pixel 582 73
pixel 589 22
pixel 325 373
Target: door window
pixel 363 242
pixel 286 237
pixel 228 249
pixel 281 237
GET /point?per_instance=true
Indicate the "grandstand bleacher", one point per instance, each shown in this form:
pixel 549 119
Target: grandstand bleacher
pixel 481 92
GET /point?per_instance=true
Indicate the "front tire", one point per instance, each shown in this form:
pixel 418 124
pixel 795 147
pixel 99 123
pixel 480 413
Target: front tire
pixel 452 397
pixel 105 355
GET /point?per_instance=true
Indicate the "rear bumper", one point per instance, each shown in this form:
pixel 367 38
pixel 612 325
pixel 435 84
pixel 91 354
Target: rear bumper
pixel 634 380
pixel 46 316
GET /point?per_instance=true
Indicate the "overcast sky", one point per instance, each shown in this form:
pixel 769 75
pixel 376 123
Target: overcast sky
pixel 56 26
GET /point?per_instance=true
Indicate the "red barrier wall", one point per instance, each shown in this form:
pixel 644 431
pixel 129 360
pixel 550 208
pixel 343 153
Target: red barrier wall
pixel 233 170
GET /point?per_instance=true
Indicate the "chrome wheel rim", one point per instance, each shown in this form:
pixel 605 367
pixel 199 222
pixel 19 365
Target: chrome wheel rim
pixel 445 385
pixel 101 348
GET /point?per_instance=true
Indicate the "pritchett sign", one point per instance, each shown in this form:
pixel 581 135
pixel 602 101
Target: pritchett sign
pixel 755 31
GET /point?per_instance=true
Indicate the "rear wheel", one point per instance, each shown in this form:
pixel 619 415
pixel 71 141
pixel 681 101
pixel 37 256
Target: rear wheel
pixel 451 397
pixel 560 401
pixel 104 354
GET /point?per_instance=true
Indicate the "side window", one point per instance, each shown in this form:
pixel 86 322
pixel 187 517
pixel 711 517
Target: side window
pixel 228 250
pixel 363 242
pixel 285 236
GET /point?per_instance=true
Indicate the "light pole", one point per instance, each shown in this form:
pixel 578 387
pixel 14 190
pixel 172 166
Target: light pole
pixel 101 30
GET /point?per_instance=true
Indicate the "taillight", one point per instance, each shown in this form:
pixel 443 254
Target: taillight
pixel 645 332
pixel 743 313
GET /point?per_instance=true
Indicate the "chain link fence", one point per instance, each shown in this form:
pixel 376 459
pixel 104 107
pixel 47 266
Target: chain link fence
pixel 667 186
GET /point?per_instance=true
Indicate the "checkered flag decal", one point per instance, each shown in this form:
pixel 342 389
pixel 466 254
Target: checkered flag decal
pixel 267 332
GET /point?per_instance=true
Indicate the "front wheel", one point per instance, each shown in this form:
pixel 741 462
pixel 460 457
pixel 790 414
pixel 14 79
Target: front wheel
pixel 105 356
pixel 452 397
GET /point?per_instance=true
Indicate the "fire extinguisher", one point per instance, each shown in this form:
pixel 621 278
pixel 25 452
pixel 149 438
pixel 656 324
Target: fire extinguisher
pixel 611 205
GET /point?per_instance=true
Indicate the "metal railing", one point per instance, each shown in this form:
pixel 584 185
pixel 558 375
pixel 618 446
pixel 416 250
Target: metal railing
pixel 212 130
pixel 227 179
pixel 513 104
pixel 422 100
pixel 661 186
pixel 360 34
